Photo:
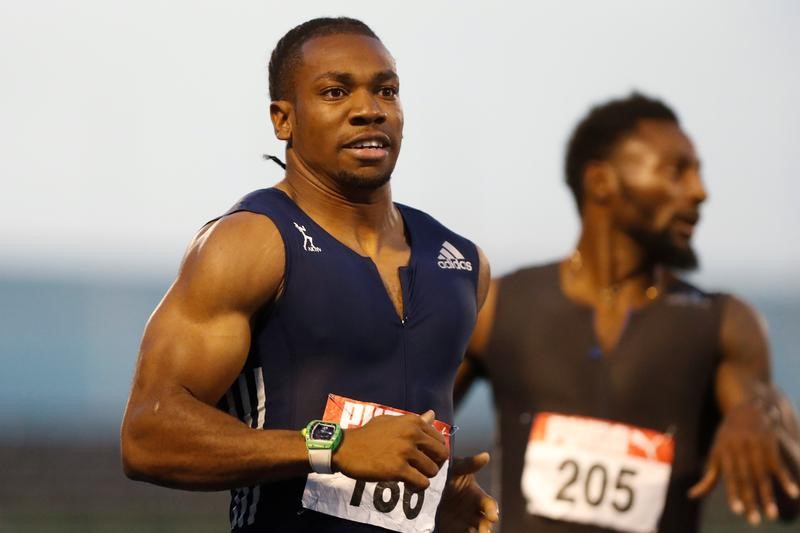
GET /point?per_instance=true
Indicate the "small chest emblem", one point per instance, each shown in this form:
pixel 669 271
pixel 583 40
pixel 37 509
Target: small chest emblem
pixel 451 259
pixel 308 242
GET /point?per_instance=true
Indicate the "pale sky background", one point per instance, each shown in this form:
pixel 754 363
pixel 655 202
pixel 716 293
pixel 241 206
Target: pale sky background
pixel 124 126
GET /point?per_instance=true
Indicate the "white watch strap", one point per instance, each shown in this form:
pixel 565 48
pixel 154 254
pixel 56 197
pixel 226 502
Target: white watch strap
pixel 320 461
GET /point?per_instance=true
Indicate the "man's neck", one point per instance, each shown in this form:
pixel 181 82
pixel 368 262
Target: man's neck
pixel 362 218
pixel 608 267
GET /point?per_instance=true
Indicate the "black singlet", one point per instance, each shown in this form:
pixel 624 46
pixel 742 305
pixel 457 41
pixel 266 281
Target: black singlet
pixel 543 357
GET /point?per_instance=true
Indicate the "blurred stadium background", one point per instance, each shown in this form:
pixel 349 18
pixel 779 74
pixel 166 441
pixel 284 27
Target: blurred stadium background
pixel 125 126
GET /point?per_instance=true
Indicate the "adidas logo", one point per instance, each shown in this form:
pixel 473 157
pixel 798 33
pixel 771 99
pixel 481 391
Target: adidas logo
pixel 451 259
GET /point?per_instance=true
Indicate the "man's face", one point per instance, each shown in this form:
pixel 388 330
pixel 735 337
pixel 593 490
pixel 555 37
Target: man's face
pixel 659 191
pixel 347 121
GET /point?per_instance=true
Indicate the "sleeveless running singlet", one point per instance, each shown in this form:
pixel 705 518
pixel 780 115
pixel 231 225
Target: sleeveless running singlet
pixel 543 357
pixel 335 331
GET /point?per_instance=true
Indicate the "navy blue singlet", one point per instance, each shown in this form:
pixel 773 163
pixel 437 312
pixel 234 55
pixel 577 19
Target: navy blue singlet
pixel 335 330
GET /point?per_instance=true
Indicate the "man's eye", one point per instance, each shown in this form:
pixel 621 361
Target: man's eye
pixel 674 171
pixel 388 92
pixel 334 92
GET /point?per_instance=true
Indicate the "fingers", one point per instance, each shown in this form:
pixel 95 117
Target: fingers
pixel 432 443
pixel 489 515
pixel 731 488
pixel 779 470
pixel 748 456
pixel 763 480
pixel 490 510
pixel 424 464
pixel 707 482
pixel 432 451
pixel 745 481
pixel 436 451
pixel 464 520
pixel 428 427
pixel 469 465
pixel 755 465
pixel 411 476
pixel 484 526
pixel 785 479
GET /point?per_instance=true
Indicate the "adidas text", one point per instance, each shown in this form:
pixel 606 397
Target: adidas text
pixel 455 264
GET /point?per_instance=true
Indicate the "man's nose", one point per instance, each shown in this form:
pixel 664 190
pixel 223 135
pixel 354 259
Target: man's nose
pixel 697 190
pixel 366 109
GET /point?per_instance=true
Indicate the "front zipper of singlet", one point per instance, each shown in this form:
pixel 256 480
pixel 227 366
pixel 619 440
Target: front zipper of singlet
pixel 596 350
pixel 401 318
pixel 404 273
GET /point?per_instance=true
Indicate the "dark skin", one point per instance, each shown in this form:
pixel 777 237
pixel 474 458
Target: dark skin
pixel 197 340
pixel 651 183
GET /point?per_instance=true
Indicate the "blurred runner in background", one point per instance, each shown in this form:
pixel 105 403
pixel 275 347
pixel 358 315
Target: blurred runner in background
pixel 623 392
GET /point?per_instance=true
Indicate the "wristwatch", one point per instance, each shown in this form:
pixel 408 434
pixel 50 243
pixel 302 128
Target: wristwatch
pixel 322 439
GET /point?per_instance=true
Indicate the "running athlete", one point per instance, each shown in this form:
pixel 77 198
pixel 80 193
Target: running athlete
pixel 614 380
pixel 320 305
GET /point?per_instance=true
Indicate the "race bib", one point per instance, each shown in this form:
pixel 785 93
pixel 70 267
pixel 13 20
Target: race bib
pixel 388 504
pixel 597 472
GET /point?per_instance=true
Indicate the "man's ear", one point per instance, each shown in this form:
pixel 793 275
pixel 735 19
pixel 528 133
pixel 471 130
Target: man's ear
pixel 280 112
pixel 600 182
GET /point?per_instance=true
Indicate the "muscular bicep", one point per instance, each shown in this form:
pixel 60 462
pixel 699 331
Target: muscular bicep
pixel 201 356
pixel 744 348
pixel 199 336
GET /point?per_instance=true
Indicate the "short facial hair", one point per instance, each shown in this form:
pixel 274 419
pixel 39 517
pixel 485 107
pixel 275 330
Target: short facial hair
pixel 660 249
pixel 355 181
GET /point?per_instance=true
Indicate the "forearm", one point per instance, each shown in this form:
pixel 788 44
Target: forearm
pixel 743 377
pixel 178 441
pixel 738 387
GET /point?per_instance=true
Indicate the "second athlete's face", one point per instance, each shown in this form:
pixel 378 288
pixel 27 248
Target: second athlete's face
pixel 659 190
pixel 347 120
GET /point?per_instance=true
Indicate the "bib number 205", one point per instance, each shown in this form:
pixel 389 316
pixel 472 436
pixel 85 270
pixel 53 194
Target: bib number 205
pixel 598 472
pixel 593 484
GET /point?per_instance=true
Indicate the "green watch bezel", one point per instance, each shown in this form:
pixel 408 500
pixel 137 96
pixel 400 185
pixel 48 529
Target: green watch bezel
pixel 317 444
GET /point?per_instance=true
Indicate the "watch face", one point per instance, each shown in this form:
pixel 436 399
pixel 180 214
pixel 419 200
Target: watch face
pixel 323 431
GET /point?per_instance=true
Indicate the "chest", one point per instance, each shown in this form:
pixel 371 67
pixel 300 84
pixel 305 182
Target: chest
pixel 365 309
pixel 663 356
pixel 389 267
pixel 338 326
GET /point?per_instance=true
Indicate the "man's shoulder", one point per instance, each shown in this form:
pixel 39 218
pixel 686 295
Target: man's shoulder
pixel 418 215
pixel 260 213
pixel 262 201
pixel 234 262
pixel 421 221
pixel 679 289
pixel 230 238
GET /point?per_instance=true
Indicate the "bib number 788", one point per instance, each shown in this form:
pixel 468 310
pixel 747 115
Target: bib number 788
pixel 592 484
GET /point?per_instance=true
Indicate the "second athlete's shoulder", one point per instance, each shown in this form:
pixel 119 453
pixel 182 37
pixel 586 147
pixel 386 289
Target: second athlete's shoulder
pixel 539 274
pixel 681 292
